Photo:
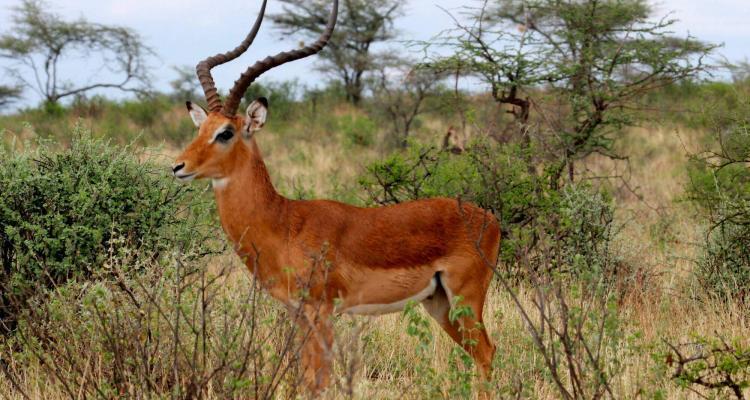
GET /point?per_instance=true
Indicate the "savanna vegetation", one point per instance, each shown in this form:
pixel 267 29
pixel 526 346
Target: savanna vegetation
pixel 614 154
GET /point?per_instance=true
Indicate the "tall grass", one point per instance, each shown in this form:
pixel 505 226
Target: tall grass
pixel 69 343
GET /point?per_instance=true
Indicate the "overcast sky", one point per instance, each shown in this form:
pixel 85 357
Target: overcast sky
pixel 184 31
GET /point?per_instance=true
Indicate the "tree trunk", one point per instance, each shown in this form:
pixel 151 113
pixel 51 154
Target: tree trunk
pixel 353 93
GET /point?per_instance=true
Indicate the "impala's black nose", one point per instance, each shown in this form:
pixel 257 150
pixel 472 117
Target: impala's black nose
pixel 178 167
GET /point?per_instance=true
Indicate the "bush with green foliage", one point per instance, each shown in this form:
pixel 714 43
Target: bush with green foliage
pixel 63 213
pixel 696 104
pixel 587 231
pixel 357 130
pixel 575 222
pixel 712 367
pixel 720 186
pixel 487 174
pixel 724 266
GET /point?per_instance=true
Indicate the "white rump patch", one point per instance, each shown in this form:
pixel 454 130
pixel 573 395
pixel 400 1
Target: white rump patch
pixel 379 309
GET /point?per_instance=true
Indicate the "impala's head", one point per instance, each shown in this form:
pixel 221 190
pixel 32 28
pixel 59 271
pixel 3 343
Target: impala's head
pixel 221 132
pixel 220 140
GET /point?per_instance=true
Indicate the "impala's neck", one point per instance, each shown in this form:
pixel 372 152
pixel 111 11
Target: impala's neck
pixel 251 210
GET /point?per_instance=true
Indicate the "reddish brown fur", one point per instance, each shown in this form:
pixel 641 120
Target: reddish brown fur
pixel 376 255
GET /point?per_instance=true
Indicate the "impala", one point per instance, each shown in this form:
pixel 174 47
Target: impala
pixel 376 259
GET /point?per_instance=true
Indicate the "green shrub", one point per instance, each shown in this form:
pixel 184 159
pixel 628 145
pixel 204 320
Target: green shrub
pixel 143 112
pixel 357 130
pixel 63 213
pixel 490 175
pixel 712 367
pixel 569 230
pixel 586 233
pixel 720 187
pixel 53 109
pixel 696 105
pixel 724 267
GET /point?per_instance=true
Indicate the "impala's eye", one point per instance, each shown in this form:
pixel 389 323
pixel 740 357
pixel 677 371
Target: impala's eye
pixel 225 136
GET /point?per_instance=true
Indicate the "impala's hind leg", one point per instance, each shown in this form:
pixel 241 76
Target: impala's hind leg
pixel 468 330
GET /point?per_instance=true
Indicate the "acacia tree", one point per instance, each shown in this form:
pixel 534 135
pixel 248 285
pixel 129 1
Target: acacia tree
pixel 575 68
pixel 361 24
pixel 38 41
pixel 184 85
pixel 740 70
pixel 9 94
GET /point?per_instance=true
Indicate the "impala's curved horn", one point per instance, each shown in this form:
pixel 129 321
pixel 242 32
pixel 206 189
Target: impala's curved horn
pixel 252 73
pixel 203 69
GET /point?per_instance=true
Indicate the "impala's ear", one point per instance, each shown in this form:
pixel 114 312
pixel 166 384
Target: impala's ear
pixel 197 113
pixel 255 117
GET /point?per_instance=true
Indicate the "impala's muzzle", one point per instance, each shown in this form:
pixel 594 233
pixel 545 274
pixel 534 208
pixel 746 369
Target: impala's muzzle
pixel 178 170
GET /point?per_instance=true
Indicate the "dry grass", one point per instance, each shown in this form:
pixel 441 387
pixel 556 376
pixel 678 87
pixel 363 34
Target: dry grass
pixel 319 168
pixel 662 308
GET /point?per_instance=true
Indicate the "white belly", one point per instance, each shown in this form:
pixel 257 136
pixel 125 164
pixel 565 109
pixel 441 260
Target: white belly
pixel 396 306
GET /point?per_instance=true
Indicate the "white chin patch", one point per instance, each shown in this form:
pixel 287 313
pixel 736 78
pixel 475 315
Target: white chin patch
pixel 185 178
pixel 220 183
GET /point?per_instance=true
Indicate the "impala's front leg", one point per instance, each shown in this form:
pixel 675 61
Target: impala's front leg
pixel 317 350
